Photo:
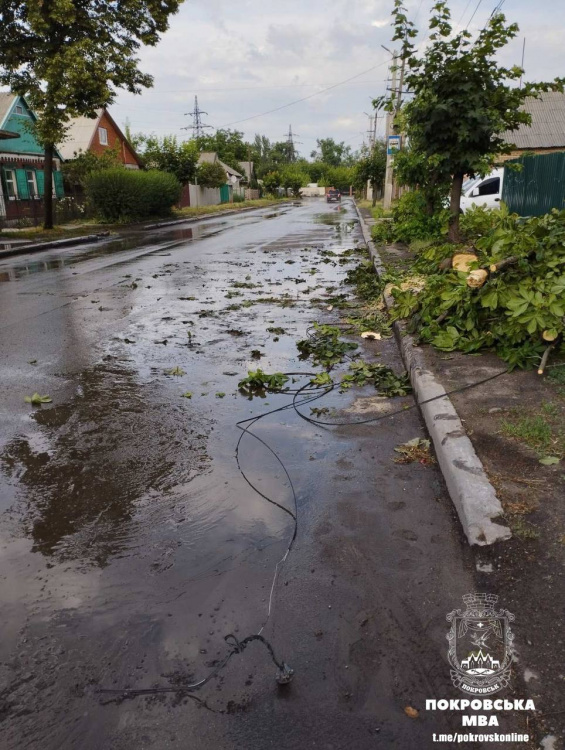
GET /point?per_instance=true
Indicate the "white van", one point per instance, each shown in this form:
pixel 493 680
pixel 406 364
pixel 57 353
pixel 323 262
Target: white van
pixel 483 191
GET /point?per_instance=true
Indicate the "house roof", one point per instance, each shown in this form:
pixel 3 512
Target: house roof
pixel 81 133
pixel 6 101
pixel 210 157
pixel 230 170
pixel 13 126
pixel 548 123
pixel 246 167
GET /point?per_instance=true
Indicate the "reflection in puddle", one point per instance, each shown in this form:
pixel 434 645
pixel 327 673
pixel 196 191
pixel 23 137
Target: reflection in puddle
pixel 99 457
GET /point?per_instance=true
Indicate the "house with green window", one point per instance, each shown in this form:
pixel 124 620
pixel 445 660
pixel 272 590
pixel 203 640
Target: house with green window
pixel 22 180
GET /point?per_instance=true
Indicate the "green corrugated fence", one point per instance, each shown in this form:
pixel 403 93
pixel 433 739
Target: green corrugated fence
pixel 538 187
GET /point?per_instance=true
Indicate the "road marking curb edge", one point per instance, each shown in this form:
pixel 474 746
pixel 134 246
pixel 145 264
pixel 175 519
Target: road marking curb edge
pixel 471 492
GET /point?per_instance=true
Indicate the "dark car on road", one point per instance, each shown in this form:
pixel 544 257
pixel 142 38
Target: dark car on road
pixel 333 195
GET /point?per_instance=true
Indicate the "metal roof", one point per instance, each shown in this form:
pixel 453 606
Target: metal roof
pixel 548 123
pixel 79 135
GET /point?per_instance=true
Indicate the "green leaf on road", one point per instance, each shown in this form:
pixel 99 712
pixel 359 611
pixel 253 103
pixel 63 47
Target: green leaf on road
pixel 549 460
pixel 36 399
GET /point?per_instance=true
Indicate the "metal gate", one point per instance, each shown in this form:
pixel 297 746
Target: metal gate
pixel 538 187
pixel 224 194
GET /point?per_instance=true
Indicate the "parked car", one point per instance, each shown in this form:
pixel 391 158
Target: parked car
pixel 483 191
pixel 333 195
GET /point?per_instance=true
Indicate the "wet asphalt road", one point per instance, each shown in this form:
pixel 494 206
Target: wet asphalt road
pixel 130 543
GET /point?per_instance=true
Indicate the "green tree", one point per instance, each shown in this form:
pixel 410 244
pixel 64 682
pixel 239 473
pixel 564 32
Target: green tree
pixel 272 181
pixel 77 170
pixel 332 153
pixel 338 177
pixel 293 179
pixel 168 155
pixel 67 57
pixel 371 167
pixel 418 171
pixel 463 98
pixel 211 175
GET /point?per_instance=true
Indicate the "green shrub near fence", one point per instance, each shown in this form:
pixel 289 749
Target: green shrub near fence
pixel 129 194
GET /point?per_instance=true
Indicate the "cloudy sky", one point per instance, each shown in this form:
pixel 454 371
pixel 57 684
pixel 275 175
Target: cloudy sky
pixel 246 57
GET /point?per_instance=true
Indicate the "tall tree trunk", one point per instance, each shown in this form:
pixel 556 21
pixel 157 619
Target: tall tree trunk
pixel 48 188
pixel 455 208
pixel 374 192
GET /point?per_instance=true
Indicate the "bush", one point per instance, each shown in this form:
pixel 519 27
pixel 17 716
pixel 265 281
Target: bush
pixel 211 175
pixel 479 221
pixel 238 198
pixel 127 194
pixel 412 222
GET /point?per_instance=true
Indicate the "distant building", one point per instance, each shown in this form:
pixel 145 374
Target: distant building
pixel 22 162
pixel 98 135
pixel 546 134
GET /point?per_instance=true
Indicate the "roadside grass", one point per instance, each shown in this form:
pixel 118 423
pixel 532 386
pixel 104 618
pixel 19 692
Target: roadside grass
pixel 181 213
pixel 377 211
pixel 523 529
pixel 541 432
pixel 38 234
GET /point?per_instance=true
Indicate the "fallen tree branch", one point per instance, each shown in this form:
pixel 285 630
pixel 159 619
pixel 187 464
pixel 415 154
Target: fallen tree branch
pixel 544 359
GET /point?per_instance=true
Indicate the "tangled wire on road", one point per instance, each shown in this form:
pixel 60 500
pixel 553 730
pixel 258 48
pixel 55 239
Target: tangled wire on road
pixel 305 394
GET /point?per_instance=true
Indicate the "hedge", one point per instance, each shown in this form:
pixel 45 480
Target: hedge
pixel 128 194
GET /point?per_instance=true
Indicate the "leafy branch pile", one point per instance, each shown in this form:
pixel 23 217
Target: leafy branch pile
pixel 258 381
pixel 509 295
pixel 382 377
pixel 325 347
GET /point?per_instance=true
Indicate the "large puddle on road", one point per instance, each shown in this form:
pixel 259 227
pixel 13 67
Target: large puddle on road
pixel 125 510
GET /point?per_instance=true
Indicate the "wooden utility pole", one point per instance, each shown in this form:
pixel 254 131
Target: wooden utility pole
pixel 389 176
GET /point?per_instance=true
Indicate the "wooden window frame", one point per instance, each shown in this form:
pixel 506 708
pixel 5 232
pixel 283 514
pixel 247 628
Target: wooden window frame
pixel 13 182
pixel 32 188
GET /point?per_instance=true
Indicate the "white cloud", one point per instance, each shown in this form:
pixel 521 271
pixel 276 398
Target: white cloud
pixel 245 58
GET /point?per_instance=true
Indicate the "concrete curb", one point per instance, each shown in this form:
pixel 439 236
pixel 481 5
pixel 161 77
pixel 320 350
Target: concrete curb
pixel 471 492
pixel 66 242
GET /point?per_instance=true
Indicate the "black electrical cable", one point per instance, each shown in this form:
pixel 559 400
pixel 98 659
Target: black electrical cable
pixel 284 672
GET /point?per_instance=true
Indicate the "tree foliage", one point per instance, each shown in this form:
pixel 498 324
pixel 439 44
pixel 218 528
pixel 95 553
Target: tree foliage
pixel 77 170
pixel 272 181
pixel 168 155
pixel 333 153
pixel 293 179
pixel 463 98
pixel 68 57
pixel 520 307
pixel 211 175
pixel 371 167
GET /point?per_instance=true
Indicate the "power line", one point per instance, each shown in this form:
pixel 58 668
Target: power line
pixel 474 12
pixel 465 11
pixel 304 98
